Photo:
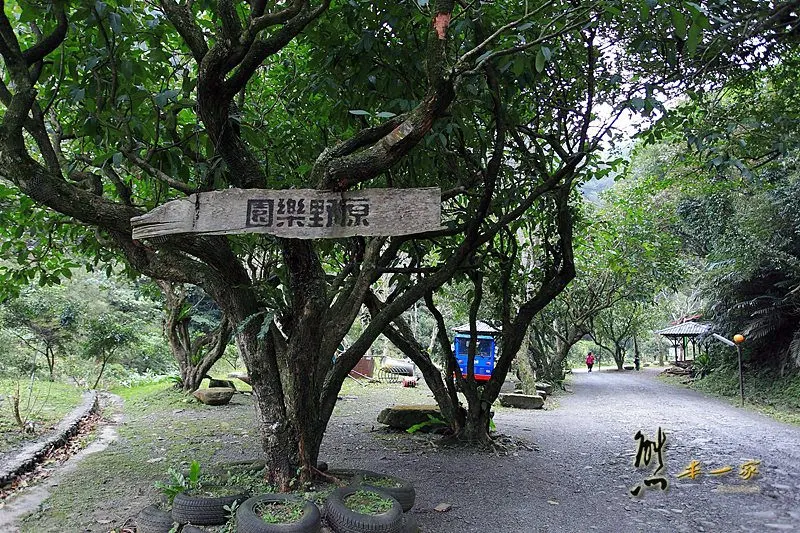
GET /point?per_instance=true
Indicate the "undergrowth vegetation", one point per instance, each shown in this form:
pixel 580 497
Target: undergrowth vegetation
pixel 765 391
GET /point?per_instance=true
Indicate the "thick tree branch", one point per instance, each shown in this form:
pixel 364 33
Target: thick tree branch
pixel 263 48
pixel 158 174
pixel 183 19
pixel 41 49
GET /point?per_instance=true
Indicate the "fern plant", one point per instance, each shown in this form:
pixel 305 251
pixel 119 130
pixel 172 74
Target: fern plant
pixel 178 482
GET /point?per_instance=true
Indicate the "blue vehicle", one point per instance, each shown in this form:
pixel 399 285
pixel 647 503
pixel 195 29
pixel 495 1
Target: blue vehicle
pixel 484 355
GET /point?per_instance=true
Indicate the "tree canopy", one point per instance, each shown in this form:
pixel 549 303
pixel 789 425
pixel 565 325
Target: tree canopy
pixel 110 109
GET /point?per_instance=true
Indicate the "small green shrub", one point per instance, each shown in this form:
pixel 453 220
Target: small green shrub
pixel 283 512
pixel 178 483
pixel 368 502
pixel 432 422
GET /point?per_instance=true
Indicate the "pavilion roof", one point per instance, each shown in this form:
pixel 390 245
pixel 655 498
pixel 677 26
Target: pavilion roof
pixel 481 327
pixel 686 329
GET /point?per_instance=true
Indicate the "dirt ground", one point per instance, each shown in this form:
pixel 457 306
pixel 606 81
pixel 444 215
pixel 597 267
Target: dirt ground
pixel 567 468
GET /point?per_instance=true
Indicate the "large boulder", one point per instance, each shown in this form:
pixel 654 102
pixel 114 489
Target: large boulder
pixel 405 416
pixel 546 387
pixel 214 395
pixel 522 401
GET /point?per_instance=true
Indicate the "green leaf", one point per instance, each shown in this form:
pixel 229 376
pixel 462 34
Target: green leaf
pixel 194 473
pixel 164 97
pixel 540 61
pixel 384 114
pixel 679 21
pixel 359 112
pixel 115 21
pixel 695 34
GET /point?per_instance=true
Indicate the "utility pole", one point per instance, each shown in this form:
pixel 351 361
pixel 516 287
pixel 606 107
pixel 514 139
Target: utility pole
pixel 738 339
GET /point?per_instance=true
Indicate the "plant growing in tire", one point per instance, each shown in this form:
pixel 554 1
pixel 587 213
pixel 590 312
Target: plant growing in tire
pixel 200 500
pixel 399 489
pixel 278 513
pixel 206 504
pixel 355 509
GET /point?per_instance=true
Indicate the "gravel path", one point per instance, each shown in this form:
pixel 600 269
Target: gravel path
pixel 581 468
pixel 570 472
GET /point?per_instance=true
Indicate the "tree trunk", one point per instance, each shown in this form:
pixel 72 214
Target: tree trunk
pixel 553 370
pixel 277 438
pixel 403 338
pixel 526 366
pixel 50 356
pixel 102 368
pixel 195 357
pixel 476 424
pixel 619 356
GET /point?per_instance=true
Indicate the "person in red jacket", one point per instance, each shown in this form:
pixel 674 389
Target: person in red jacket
pixel 590 361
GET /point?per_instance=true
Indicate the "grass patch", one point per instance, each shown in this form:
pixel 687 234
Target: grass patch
pixel 45 405
pixel 367 502
pixel 764 391
pixel 382 481
pixel 211 490
pixel 155 396
pixel 284 512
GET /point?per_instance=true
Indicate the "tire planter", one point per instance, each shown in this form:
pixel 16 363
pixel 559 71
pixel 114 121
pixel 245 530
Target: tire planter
pixel 151 519
pixel 203 511
pixel 191 529
pixel 403 491
pixel 248 521
pixel 343 520
pixel 349 475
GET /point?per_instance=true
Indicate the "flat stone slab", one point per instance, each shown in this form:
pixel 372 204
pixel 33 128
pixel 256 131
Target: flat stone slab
pixel 509 386
pixel 214 395
pixel 546 387
pixel 405 416
pixel 26 459
pixel 522 401
pixel 240 376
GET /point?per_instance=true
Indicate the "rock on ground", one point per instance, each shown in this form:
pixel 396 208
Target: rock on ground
pixel 522 401
pixel 405 416
pixel 214 395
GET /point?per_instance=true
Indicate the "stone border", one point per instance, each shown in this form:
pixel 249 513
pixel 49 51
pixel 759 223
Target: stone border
pixel 27 458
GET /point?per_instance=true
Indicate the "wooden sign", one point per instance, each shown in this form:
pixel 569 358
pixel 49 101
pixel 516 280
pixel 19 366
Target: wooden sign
pixel 296 213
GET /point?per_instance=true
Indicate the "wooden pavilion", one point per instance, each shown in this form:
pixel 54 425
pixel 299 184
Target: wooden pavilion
pixel 681 335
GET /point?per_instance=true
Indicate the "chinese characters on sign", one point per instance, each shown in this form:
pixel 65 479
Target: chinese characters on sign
pixel 746 471
pixel 296 213
pixel 644 454
pixel 645 450
pixel 309 212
